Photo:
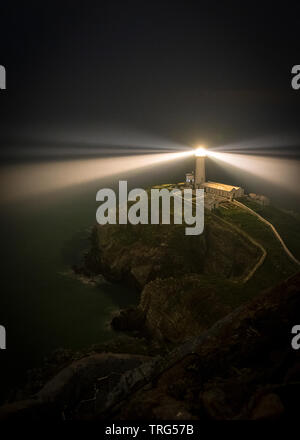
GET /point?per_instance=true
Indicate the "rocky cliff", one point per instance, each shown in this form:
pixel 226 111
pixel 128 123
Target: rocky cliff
pixel 142 253
pixel 182 279
pixel 243 367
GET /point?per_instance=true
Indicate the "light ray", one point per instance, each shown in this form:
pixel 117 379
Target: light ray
pixel 280 172
pixel 23 180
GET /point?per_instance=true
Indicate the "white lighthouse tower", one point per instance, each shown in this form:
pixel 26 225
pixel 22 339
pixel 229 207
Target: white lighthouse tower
pixel 199 167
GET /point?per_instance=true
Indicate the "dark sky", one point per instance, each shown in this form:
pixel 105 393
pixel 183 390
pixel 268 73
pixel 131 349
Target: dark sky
pixel 184 70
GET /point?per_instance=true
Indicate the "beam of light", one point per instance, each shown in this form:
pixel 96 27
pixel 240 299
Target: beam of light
pixel 91 140
pixel 24 180
pixel 70 151
pixel 281 172
pixel 274 145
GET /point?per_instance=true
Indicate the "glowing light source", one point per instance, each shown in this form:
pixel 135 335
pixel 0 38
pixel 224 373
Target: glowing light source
pixel 200 152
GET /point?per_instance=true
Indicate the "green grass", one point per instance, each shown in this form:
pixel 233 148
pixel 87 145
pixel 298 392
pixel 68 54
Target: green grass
pixel 277 265
pixel 286 223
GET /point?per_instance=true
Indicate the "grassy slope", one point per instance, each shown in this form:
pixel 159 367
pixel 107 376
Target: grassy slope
pixel 287 224
pixel 277 265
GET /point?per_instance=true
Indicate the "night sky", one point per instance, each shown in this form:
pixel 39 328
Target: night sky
pixel 182 70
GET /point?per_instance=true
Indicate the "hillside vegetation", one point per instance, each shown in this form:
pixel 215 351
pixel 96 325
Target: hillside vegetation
pixel 286 222
pixel 188 282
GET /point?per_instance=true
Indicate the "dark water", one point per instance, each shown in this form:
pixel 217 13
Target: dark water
pixel 41 307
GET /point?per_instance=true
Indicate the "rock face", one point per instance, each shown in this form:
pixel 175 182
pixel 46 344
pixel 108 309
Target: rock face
pixel 78 389
pixel 175 273
pixel 131 319
pixel 177 309
pixel 141 253
pixel 243 367
pixel 268 407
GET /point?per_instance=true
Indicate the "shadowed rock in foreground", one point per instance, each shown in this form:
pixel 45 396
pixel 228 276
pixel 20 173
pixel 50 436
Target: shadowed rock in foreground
pixel 243 367
pixel 79 388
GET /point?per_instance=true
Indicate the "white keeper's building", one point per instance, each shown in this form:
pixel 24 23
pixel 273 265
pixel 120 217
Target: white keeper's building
pixel 223 190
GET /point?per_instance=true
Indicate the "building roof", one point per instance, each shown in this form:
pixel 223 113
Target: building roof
pixel 220 186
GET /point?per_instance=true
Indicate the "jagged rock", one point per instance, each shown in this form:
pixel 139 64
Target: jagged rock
pixel 76 383
pixel 268 407
pixel 224 368
pixel 177 309
pixel 141 274
pixel 214 403
pixel 162 263
pixel 172 410
pixel 138 254
pixel 27 410
pixel 131 319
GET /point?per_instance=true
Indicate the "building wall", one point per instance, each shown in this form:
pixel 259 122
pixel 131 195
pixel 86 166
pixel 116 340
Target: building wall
pixel 200 171
pixel 222 193
pixel 239 192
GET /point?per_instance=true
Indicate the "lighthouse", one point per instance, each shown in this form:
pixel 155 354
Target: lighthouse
pixel 200 154
pixel 214 191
